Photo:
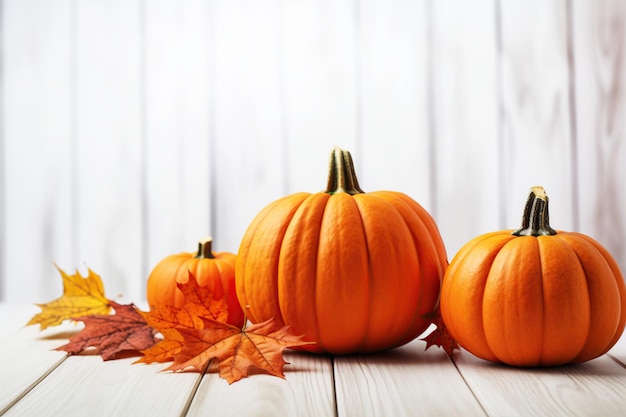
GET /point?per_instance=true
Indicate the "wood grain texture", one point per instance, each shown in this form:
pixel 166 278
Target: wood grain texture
pixel 464 111
pixel 26 354
pixel 37 149
pixel 406 381
pixel 110 149
pixel 177 103
pixel 87 386
pixel 537 145
pixel 248 152
pixel 393 98
pixel 595 388
pixel 320 95
pixel 306 391
pixel 600 34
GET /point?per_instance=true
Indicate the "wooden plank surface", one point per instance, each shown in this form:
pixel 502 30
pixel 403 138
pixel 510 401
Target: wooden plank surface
pixel 535 116
pixel 467 159
pixel 393 99
pixel 600 59
pixel 37 159
pixel 110 151
pixel 594 388
pixel 178 127
pixel 247 147
pixel 26 354
pixel 87 386
pixel 307 391
pixel 406 381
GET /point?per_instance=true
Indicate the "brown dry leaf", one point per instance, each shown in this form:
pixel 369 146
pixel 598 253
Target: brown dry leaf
pixel 126 330
pixel 440 336
pixel 237 351
pixel 82 296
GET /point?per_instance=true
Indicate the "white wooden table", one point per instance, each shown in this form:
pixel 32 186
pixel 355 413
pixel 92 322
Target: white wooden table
pixel 36 380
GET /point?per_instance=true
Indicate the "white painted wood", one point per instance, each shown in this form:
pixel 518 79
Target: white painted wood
pixel 535 109
pixel 320 88
pixel 109 118
pixel 247 152
pixel 618 351
pixel 178 126
pixel 467 162
pixel 37 148
pixel 84 385
pixel 26 354
pixel 394 145
pixel 406 381
pixel 306 391
pixel 600 34
pixel 594 388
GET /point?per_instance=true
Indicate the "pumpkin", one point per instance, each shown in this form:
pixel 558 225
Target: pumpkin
pixel 534 296
pixel 349 270
pixel 213 270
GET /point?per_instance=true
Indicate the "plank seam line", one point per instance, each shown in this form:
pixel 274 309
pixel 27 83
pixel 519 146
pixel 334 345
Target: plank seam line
pixel 469 387
pixel 616 359
pixel 194 390
pixel 334 385
pixel 32 386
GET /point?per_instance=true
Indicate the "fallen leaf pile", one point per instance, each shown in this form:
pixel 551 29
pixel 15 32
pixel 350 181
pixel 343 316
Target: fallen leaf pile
pixel 191 337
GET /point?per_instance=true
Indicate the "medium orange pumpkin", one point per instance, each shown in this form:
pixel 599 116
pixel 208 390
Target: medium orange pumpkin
pixel 213 270
pixel 352 271
pixel 534 296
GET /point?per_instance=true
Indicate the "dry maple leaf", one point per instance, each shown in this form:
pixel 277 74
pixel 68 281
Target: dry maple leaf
pixel 440 336
pixel 81 296
pixel 126 330
pixel 237 351
pixel 199 305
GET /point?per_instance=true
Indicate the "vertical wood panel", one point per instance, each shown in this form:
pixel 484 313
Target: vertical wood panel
pixel 3 203
pixel 535 99
pixel 110 143
pixel 36 163
pixel 320 82
pixel 248 147
pixel 177 50
pixel 393 97
pixel 600 39
pixel 465 120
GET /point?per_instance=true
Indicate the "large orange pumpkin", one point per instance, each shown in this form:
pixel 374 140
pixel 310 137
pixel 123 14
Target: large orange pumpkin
pixel 534 296
pixel 352 271
pixel 213 270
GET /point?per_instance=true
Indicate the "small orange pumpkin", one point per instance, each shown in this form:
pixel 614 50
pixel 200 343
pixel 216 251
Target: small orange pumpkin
pixel 213 270
pixel 534 296
pixel 352 271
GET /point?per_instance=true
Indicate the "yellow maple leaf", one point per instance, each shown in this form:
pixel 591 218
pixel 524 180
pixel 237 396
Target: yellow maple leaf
pixel 82 296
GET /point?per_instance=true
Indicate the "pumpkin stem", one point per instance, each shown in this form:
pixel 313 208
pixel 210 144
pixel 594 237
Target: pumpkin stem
pixel 204 249
pixel 536 220
pixel 341 173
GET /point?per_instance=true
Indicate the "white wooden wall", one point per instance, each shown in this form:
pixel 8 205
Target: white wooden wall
pixel 131 128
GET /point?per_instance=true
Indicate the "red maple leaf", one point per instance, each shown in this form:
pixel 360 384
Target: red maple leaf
pixel 440 336
pixel 237 351
pixel 126 330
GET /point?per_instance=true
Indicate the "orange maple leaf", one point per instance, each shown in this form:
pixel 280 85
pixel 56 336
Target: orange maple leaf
pixel 238 351
pixel 81 296
pixel 126 330
pixel 199 305
pixel 440 336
